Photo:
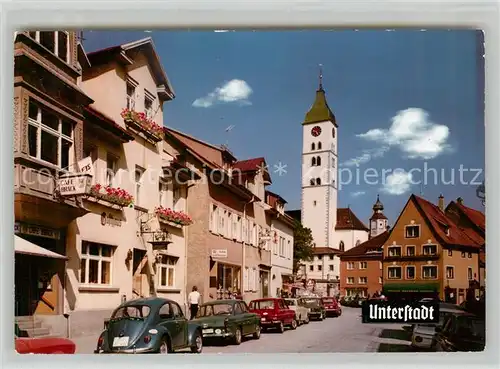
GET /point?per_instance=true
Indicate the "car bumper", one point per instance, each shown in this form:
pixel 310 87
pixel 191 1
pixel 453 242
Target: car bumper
pixel 126 351
pixel 216 333
pixel 269 322
pixel 425 342
pixel 315 314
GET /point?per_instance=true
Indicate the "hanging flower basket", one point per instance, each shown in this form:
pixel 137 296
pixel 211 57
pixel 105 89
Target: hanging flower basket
pixel 139 121
pixel 112 195
pixel 172 216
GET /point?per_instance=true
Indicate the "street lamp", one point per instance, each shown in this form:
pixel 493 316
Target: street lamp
pixel 481 192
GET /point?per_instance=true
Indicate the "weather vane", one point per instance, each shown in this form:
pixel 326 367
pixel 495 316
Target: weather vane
pixel 321 76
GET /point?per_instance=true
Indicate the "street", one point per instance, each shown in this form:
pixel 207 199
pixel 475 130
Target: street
pixel 343 334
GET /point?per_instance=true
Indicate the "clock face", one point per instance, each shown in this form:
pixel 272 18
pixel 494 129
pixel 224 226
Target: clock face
pixel 316 131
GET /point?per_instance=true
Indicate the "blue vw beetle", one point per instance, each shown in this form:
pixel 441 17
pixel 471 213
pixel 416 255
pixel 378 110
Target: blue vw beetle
pixel 149 325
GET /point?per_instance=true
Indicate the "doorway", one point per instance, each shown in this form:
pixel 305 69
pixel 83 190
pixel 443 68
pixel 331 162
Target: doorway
pixel 264 283
pixel 140 285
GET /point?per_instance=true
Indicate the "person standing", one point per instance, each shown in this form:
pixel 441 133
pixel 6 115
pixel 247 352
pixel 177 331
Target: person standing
pixel 194 301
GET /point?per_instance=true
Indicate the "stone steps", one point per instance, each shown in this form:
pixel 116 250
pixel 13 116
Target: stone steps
pixel 30 326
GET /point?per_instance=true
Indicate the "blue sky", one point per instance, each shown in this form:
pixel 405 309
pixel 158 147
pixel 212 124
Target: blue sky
pixel 402 99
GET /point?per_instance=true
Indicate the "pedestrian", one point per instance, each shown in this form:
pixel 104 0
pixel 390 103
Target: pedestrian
pixel 194 301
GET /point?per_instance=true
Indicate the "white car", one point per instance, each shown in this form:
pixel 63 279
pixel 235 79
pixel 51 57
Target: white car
pixel 301 311
pixel 423 334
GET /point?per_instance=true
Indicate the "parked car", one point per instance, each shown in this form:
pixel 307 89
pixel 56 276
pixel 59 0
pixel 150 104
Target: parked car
pixel 45 345
pixel 317 308
pixel 332 306
pixel 423 334
pixel 274 313
pixel 227 320
pixel 149 325
pixel 460 332
pixel 301 311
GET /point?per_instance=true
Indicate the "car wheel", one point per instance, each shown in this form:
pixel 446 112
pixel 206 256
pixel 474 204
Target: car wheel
pixel 237 336
pixel 198 344
pixel 256 334
pixel 293 325
pixel 164 348
pixel 281 327
pixel 307 320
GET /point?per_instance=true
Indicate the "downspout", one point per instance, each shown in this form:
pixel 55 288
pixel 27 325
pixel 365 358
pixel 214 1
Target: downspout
pixel 243 258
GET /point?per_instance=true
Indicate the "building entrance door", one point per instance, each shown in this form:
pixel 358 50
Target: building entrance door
pixel 140 276
pixel 264 283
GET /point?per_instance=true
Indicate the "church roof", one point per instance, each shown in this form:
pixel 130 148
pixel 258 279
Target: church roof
pixel 347 220
pixel 370 248
pixel 320 111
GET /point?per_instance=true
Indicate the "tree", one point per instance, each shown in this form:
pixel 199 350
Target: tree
pixel 302 245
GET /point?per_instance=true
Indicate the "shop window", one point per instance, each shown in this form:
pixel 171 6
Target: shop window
pixel 95 263
pixel 228 277
pixel 50 137
pixel 165 269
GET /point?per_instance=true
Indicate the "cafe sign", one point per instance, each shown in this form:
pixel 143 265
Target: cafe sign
pixel 33 230
pixel 219 253
pixel 76 184
pixel 109 219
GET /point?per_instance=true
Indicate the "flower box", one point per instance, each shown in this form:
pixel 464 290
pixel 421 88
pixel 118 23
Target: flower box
pixel 140 122
pixel 176 218
pixel 117 196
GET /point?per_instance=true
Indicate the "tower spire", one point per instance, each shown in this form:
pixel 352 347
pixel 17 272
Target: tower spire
pixel 321 77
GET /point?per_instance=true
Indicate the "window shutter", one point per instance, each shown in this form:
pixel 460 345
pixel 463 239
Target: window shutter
pixel 245 279
pixel 256 280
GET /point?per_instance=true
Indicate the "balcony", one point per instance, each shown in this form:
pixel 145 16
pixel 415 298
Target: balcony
pixel 417 257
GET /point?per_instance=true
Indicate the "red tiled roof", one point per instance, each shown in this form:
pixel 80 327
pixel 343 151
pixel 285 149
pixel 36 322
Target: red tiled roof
pixel 252 165
pixel 326 251
pixel 347 220
pixel 373 243
pixel 475 216
pixel 378 216
pixel 274 196
pixel 440 223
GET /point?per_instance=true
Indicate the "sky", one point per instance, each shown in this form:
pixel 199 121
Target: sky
pixel 409 105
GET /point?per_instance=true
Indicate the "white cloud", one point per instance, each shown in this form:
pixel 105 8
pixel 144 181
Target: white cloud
pixel 414 134
pixel 397 183
pixel 235 90
pixel 358 193
pixel 366 156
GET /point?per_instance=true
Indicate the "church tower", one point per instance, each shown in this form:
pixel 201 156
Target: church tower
pixel 378 221
pixel 319 170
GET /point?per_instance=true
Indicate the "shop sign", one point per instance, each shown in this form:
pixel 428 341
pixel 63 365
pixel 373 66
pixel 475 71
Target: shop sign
pixel 109 219
pixel 78 184
pixel 219 253
pixel 32 230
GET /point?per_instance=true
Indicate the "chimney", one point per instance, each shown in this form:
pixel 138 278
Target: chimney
pixel 441 202
pixel 460 201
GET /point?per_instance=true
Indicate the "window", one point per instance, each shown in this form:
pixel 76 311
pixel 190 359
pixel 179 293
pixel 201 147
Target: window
pixel 469 255
pixel 380 280
pixel 450 272
pixel 50 137
pixel 394 272
pixel 331 257
pixel 222 222
pixel 235 226
pixel 313 161
pixel 463 255
pixel 165 269
pixel 95 263
pixel 139 172
pixel 341 246
pixel 333 162
pixel 363 264
pixel 177 198
pixel 350 265
pixel 238 231
pixel 148 106
pixel 333 132
pixel 394 251
pixel 450 252
pixel 56 41
pixel 380 265
pixel 130 95
pixel 311 268
pixel 350 280
pixel 429 249
pixel 412 231
pixel 244 234
pixel 330 268
pixel 320 257
pixel 282 246
pixel 410 250
pixel 311 182
pixel 410 272
pixel 111 166
pixel 363 280
pixel 318 161
pixel 320 268
pixel 290 249
pixel 214 218
pixel 162 191
pixel 319 145
pixel 313 147
pixel 469 273
pixel 429 272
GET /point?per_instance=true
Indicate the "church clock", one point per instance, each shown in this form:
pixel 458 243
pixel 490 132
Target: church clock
pixel 316 131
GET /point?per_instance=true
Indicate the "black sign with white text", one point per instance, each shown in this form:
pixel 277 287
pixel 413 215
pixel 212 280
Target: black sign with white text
pixel 394 312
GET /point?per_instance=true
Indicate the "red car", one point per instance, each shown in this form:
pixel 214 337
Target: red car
pixel 274 313
pixel 332 306
pixel 49 345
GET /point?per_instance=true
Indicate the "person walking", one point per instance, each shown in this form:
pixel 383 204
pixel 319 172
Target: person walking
pixel 194 301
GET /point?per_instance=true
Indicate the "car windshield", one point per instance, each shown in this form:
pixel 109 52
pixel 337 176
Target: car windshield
pixel 312 302
pixel 214 309
pixel 469 327
pixel 290 302
pixel 132 312
pixel 262 305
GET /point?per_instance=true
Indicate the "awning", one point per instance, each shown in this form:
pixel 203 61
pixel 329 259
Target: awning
pixel 411 287
pixel 22 246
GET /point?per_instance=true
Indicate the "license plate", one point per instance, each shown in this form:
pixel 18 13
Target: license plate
pixel 263 319
pixel 120 341
pixel 208 330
